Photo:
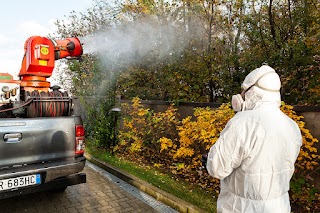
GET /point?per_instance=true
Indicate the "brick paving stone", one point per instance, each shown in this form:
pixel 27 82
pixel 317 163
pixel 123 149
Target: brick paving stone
pixel 72 210
pixel 97 195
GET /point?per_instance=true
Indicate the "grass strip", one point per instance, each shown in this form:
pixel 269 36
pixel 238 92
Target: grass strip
pixel 166 182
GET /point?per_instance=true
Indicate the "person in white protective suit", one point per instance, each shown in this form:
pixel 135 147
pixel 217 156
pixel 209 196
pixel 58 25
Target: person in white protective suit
pixel 255 154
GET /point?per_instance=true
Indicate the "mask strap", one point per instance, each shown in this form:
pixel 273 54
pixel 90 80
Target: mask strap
pixel 257 83
pixel 243 106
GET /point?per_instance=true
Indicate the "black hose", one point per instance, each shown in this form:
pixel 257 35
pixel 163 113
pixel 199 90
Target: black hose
pixel 48 104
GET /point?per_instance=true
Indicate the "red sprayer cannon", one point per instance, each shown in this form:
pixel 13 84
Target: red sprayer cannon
pixel 32 96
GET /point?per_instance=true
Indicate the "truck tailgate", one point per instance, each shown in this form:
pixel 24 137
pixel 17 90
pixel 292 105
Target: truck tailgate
pixel 30 140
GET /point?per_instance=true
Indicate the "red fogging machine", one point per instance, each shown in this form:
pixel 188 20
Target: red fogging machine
pixel 32 96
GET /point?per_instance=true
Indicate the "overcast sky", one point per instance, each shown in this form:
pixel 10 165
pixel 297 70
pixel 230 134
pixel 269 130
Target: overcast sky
pixel 21 19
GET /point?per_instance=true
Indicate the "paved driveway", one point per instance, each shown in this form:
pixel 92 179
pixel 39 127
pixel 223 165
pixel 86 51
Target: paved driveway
pixel 99 194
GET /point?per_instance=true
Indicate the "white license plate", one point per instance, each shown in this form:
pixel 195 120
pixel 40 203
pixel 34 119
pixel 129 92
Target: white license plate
pixel 18 182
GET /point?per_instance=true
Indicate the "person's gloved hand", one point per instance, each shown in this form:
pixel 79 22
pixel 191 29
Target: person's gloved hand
pixel 204 159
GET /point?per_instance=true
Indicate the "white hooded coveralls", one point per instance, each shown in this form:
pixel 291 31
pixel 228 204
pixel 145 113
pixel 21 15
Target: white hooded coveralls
pixel 255 154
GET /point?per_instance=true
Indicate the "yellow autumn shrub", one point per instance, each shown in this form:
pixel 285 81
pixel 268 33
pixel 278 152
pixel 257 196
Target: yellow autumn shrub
pixel 308 157
pixel 164 141
pixel 303 191
pixel 197 134
pixel 131 135
pixel 142 130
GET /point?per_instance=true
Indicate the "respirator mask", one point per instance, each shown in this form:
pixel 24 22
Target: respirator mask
pixel 238 102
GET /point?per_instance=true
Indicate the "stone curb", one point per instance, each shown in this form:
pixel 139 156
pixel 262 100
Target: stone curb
pixel 162 196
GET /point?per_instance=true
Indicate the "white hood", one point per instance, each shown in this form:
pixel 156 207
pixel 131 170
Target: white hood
pixel 265 88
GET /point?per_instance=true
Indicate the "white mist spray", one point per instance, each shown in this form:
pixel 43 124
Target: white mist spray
pixel 131 43
pixel 144 42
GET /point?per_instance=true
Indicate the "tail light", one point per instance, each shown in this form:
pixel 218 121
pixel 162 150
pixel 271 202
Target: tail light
pixel 79 140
